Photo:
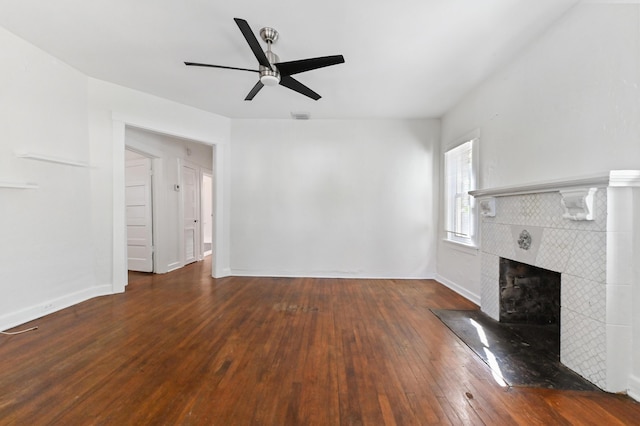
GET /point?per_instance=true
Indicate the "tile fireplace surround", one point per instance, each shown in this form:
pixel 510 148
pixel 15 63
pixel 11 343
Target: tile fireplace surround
pixel 582 228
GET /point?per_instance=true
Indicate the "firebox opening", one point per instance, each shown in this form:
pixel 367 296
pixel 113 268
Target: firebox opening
pixel 528 294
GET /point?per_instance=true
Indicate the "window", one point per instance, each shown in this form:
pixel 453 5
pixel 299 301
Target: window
pixel 460 178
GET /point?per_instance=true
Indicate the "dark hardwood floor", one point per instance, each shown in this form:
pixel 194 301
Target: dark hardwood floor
pixel 183 348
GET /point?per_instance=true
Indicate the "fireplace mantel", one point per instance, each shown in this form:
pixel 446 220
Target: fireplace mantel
pixel 556 185
pixel 616 178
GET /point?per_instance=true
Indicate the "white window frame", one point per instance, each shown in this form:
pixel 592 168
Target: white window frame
pixel 456 193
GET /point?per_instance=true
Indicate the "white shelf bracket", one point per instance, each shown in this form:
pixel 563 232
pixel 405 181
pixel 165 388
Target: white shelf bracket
pixel 578 203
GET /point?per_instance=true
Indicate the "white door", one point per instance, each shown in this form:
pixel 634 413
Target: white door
pixel 207 214
pixel 139 217
pixel 191 225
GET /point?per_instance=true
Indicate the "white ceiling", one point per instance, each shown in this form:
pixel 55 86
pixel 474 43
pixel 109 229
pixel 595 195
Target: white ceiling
pixel 403 59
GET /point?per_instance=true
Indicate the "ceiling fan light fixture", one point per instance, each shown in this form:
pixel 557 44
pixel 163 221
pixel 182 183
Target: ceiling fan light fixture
pixel 270 80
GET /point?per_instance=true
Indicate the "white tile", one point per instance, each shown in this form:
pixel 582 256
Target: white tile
pixel 588 256
pixel 489 286
pixel 583 346
pixel 584 296
pixel 555 249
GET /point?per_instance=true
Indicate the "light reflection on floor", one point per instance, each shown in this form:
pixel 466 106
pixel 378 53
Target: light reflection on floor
pixel 491 358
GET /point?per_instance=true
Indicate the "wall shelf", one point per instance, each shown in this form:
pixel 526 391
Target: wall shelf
pixel 18 185
pixel 49 159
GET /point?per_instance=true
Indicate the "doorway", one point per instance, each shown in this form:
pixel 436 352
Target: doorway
pixel 139 211
pixel 167 203
pixel 207 213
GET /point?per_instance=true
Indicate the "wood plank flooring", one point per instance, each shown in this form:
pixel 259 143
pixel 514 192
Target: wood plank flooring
pixel 185 349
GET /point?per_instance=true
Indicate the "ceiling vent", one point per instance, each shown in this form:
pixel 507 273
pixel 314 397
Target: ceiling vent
pixel 300 115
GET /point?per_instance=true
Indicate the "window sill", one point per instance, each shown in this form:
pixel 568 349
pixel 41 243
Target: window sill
pixel 462 247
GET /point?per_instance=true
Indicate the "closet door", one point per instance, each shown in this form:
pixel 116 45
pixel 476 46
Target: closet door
pixel 191 213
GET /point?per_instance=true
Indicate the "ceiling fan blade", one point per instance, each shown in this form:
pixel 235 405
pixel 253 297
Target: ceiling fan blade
pixel 302 65
pixel 254 91
pixel 195 64
pixel 253 42
pixel 295 85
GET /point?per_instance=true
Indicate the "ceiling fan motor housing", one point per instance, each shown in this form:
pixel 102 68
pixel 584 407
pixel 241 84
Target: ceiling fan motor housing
pixel 270 77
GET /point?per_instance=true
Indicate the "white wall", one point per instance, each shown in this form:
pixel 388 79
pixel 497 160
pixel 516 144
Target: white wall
pixel 334 198
pixel 573 94
pixel 62 243
pixel 172 152
pixel 569 105
pixel 46 256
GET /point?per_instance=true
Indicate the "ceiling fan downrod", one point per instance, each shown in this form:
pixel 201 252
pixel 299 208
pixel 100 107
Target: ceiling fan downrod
pixel 269 77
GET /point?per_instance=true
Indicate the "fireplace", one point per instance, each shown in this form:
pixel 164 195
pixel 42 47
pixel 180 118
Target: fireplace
pixel 578 230
pixel 528 294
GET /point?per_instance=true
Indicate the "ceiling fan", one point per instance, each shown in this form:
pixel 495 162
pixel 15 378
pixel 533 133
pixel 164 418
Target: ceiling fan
pixel 271 70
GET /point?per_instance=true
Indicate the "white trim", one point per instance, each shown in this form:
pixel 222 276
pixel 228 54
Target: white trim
pixel 624 178
pixel 475 298
pixel 618 178
pixel 19 185
pixel 219 262
pixel 157 128
pixel 555 185
pixel 142 148
pixel 119 249
pixel 50 159
pixel 13 319
pixel 472 250
pixel 634 387
pixel 320 274
pixel 474 134
pixel 472 239
pixel 180 224
pixel 173 266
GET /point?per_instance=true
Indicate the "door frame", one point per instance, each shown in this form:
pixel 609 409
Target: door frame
pixel 148 160
pixel 220 260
